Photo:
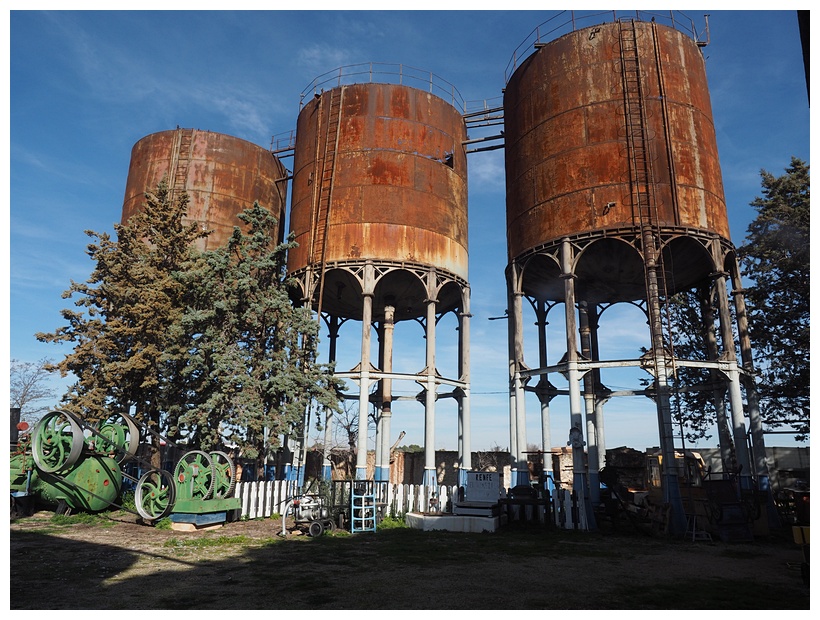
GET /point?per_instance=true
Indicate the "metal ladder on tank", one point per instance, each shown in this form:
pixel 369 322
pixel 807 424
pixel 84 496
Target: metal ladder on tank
pixel 324 197
pixel 642 180
pixel 181 159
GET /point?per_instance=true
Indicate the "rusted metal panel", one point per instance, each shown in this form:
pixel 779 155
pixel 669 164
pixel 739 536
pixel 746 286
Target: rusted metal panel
pixel 399 186
pixel 222 175
pixel 566 146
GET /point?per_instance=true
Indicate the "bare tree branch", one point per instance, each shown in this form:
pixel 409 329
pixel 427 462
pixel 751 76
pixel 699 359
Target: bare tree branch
pixel 27 386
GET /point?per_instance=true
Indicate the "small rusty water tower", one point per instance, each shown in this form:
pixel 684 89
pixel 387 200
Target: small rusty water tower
pixel 615 195
pixel 222 175
pixel 379 212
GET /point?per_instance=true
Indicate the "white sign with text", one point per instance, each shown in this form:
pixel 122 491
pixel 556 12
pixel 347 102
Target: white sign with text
pixel 482 487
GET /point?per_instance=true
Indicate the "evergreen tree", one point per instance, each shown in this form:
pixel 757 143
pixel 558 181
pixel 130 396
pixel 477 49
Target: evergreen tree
pixel 127 309
pixel 693 409
pixel 249 371
pixel 775 260
pixel 206 346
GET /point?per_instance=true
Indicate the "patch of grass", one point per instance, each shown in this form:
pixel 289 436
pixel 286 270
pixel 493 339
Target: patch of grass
pixel 391 523
pixel 199 543
pixel 83 518
pixel 163 524
pixel 127 501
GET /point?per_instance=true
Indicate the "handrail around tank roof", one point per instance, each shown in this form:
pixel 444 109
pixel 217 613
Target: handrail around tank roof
pixel 385 73
pixel 565 22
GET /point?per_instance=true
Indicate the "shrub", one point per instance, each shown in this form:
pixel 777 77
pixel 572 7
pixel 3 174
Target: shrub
pixel 391 523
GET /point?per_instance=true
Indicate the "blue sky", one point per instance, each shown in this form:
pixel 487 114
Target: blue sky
pixel 85 86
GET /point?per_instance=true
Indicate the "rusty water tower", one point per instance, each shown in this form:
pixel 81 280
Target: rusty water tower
pixel 614 194
pixel 222 175
pixel 379 212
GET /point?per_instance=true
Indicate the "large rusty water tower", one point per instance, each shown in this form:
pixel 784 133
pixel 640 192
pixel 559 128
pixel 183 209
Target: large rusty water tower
pixel 615 195
pixel 379 213
pixel 222 176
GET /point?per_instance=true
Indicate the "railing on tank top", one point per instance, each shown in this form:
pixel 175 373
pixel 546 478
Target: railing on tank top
pixel 564 22
pixel 385 73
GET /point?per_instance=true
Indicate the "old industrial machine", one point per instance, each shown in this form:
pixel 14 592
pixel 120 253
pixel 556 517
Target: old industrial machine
pixel 70 465
pixel 342 504
pixel 312 510
pixel 198 492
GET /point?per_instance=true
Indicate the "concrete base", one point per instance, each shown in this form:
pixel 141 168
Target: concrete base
pixel 477 509
pixel 192 527
pixel 453 523
pixel 184 522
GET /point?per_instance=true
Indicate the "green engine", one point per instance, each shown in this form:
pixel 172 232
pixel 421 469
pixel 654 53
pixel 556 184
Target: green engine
pixel 66 463
pixel 60 463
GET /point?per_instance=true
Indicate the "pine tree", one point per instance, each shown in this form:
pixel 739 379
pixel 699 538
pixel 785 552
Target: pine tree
pixel 206 347
pixel 693 409
pixel 127 309
pixel 250 372
pixel 775 260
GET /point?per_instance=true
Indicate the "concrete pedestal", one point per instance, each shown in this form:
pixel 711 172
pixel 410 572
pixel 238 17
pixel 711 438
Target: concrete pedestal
pixel 453 523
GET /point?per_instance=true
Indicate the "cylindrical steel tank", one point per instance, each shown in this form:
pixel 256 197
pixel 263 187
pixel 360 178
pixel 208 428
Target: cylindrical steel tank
pixel 380 174
pixel 222 175
pixel 567 165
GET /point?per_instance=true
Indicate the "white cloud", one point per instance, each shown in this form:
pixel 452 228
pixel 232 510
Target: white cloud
pixel 487 171
pixel 319 58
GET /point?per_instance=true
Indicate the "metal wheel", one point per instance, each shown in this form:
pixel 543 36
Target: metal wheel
pixel 315 529
pixel 329 525
pixel 194 475
pixel 122 435
pixel 155 495
pixel 224 473
pixel 57 441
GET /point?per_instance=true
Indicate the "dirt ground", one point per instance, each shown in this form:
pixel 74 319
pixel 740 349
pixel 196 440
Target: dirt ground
pixel 123 564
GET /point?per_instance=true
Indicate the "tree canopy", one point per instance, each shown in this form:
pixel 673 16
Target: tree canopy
pixel 775 260
pixel 775 264
pixel 694 410
pixel 204 346
pixel 126 310
pixel 244 354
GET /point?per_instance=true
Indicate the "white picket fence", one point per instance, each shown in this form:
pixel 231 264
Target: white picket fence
pixel 566 513
pixel 263 499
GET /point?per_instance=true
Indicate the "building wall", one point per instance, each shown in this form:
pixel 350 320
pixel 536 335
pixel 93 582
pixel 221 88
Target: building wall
pixel 787 466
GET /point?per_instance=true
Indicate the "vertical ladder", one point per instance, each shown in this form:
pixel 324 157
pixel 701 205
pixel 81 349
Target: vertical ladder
pixel 181 161
pixel 641 177
pixel 637 147
pixel 324 195
pixel 362 509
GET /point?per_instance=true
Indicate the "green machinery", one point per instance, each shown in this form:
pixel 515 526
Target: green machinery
pixel 72 466
pixel 198 492
pixel 67 463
